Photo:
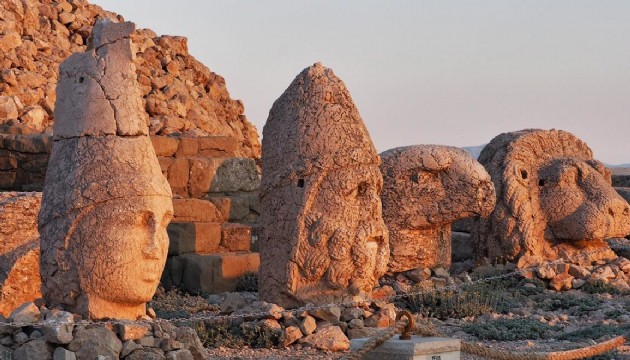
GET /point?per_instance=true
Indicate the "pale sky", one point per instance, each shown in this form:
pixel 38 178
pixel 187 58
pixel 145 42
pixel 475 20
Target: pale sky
pixel 423 72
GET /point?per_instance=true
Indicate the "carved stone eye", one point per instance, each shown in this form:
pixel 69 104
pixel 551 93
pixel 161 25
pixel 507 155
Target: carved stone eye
pixel 362 189
pixel 300 183
pixel 541 182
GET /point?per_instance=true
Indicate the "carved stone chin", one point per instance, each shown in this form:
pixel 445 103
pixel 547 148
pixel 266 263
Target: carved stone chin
pixel 323 234
pixel 553 200
pixel 106 204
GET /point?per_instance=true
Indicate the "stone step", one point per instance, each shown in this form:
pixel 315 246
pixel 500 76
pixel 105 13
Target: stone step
pixel 208 238
pixel 211 274
pixel 197 210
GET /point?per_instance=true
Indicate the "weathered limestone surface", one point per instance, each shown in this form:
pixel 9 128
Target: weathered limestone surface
pixel 178 93
pixel 19 250
pixel 106 204
pixel 323 238
pixel 553 200
pixel 425 189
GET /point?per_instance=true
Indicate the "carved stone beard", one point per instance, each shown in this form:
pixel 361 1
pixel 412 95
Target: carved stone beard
pixel 344 257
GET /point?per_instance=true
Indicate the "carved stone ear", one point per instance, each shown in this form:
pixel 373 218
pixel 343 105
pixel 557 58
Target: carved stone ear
pixel 522 174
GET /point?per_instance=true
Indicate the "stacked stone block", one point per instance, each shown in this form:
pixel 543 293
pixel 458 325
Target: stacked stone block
pixel 215 200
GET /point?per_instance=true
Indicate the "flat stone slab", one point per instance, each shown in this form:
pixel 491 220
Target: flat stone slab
pixel 417 348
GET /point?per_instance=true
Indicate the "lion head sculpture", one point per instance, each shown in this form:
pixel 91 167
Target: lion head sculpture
pixel 425 189
pixel 553 200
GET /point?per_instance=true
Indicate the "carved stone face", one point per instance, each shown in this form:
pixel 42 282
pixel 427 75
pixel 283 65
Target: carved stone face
pixel 345 237
pixel 579 203
pixel 132 232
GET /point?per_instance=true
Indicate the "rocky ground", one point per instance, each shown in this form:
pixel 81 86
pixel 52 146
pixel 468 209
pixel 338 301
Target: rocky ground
pixel 510 313
pixel 493 305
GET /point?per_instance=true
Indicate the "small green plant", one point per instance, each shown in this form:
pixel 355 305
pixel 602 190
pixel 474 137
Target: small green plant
pixel 600 287
pixel 470 300
pixel 512 329
pixel 247 282
pixel 595 332
pixel 223 334
pixel 560 301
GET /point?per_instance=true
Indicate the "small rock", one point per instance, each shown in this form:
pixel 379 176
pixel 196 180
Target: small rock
pixel 356 324
pixel 603 273
pixel 63 354
pixel 189 338
pixel 351 313
pixel 94 342
pixel 20 337
pixel 383 292
pixel 330 338
pixel 418 275
pixel 170 345
pixel 528 261
pixel 308 325
pixel 147 341
pixel 577 283
pixel 148 353
pixel 36 349
pixel 441 273
pixel 26 313
pixel 561 282
pixel 58 327
pixel 128 330
pixel 546 272
pixel 330 314
pixel 233 302
pixel 579 272
pixel 291 334
pixel 129 346
pixel 182 354
pixel 151 313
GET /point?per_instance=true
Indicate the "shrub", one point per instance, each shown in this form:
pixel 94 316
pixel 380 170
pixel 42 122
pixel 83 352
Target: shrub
pixel 469 300
pixel 247 282
pixel 595 332
pixel 600 287
pixel 222 333
pixel 512 329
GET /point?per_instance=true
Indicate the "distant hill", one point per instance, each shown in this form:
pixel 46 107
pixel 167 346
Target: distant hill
pixel 474 151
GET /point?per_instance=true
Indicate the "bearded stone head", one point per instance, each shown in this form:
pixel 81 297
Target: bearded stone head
pixel 323 235
pixel 105 204
pixel 553 199
pixel 426 188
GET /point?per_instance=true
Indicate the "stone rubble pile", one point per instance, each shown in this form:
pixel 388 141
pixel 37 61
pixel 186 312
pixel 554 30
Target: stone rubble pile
pixel 59 335
pixel 180 95
pixel 330 328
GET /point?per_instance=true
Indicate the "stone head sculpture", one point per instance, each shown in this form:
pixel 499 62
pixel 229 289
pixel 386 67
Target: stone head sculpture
pixel 425 189
pixel 323 234
pixel 105 204
pixel 553 200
